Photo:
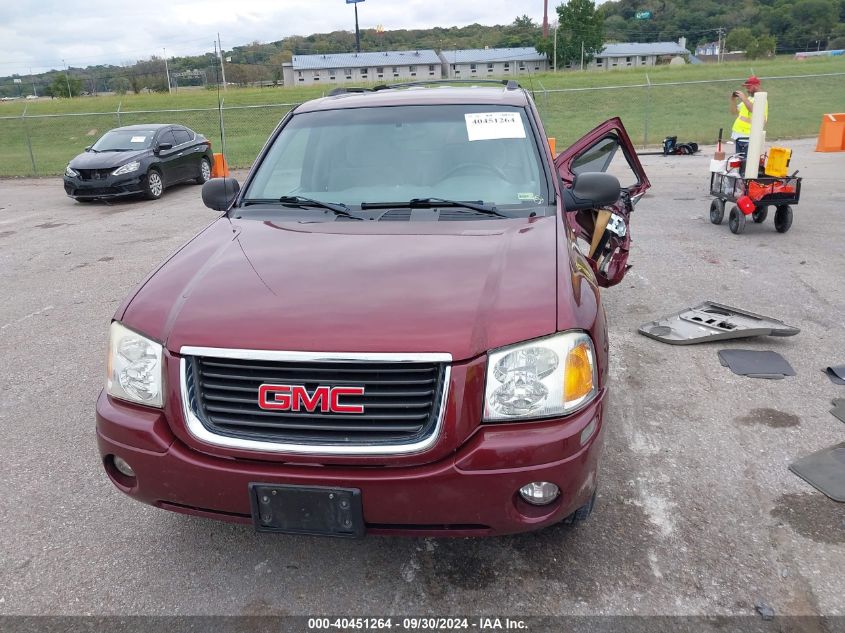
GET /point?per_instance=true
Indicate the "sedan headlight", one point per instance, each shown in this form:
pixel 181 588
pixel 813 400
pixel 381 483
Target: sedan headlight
pixel 546 377
pixel 70 173
pixel 128 168
pixel 134 370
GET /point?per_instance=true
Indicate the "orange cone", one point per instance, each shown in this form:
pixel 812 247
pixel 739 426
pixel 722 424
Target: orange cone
pixel 220 169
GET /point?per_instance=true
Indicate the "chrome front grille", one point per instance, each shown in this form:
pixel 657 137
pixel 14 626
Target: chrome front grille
pixel 403 400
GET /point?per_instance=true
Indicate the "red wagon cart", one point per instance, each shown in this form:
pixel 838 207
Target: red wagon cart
pixel 753 196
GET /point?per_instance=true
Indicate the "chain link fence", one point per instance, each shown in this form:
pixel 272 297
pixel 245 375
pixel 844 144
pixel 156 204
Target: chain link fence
pixel 39 145
pixel 42 145
pixel 692 110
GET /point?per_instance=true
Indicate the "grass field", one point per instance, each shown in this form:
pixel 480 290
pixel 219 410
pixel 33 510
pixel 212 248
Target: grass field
pixel 58 129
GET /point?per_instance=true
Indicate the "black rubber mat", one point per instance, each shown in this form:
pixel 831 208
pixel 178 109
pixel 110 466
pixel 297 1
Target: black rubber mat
pixel 836 373
pixel 839 408
pixel 754 364
pixel 824 470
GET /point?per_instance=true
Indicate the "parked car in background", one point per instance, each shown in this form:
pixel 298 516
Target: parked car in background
pixel 395 327
pixel 139 159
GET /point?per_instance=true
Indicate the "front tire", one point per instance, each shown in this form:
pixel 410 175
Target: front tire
pixel 583 513
pixel 717 210
pixel 205 171
pixel 783 218
pixel 736 220
pixel 154 186
pixel 760 215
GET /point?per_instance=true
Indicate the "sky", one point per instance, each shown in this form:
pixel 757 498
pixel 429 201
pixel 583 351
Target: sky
pixel 43 34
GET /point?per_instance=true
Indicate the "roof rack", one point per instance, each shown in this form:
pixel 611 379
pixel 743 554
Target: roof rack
pixel 510 84
pixel 340 90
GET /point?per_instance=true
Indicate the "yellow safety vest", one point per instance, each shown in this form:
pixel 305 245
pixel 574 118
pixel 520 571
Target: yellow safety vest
pixel 742 125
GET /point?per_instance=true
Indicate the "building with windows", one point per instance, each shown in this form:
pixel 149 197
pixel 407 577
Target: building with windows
pixel 375 67
pixel 708 49
pixel 635 55
pixel 481 63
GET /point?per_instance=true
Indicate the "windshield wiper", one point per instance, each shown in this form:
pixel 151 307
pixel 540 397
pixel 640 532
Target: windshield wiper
pixel 428 203
pixel 301 201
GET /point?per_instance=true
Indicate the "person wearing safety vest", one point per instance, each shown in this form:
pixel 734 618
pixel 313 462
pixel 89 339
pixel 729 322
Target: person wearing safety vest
pixel 742 124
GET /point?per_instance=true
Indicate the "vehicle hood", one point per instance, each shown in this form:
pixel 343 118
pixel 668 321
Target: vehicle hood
pixel 455 287
pixel 106 160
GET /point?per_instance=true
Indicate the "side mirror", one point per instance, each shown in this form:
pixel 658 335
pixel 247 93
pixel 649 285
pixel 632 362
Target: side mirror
pixel 163 146
pixel 219 193
pixel 591 190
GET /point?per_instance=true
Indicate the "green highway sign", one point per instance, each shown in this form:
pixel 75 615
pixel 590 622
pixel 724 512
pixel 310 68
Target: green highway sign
pixel 643 15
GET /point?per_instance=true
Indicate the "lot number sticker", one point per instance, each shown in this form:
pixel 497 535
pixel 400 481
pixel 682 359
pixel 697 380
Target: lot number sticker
pixel 486 126
pixel 138 139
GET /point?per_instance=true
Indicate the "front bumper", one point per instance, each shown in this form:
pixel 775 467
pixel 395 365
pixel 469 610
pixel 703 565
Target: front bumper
pixel 103 188
pixel 472 492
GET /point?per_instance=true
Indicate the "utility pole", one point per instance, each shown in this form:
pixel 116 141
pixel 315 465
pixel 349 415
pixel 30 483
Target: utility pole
pixel 582 54
pixel 67 79
pixel 720 51
pixel 557 26
pixel 167 71
pixel 32 77
pixel 220 53
pixel 546 19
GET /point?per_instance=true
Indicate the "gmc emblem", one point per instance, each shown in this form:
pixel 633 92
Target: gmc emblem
pixel 297 398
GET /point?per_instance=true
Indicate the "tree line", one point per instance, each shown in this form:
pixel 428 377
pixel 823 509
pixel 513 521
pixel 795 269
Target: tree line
pixel 758 27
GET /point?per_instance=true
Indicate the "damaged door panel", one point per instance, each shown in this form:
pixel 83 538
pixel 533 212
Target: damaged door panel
pixel 709 321
pixel 605 230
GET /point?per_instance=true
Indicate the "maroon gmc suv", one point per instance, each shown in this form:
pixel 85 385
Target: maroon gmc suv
pixel 394 327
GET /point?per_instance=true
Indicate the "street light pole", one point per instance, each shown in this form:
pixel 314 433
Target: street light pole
pixel 167 71
pixel 557 26
pixel 357 31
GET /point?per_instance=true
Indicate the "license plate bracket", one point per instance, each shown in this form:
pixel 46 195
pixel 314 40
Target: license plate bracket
pixel 311 510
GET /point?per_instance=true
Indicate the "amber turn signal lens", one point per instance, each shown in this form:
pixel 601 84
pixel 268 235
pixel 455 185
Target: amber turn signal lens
pixel 578 375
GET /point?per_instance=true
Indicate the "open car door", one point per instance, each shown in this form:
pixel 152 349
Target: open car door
pixel 604 232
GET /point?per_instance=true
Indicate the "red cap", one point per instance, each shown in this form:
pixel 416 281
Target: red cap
pixel 752 81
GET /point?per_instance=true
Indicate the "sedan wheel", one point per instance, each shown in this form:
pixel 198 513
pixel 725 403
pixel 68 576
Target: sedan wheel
pixel 205 171
pixel 155 185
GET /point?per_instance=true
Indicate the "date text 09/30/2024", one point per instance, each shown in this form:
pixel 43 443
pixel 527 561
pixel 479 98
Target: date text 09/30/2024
pixel 481 624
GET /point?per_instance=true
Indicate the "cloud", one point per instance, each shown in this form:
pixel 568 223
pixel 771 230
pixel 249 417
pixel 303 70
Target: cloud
pixel 39 34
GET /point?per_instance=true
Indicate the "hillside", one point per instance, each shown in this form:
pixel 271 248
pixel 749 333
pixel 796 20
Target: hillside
pixel 793 24
pixel 796 25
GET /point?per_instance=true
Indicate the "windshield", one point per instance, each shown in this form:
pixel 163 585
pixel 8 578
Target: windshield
pixel 117 140
pixel 396 154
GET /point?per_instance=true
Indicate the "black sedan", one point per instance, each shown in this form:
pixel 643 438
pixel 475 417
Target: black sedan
pixel 139 159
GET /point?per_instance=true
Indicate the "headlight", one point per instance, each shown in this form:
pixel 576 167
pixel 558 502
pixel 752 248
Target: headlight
pixel 134 370
pixel 550 376
pixel 70 173
pixel 128 168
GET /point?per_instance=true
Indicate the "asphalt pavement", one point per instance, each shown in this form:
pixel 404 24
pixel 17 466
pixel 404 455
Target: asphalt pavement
pixel 697 512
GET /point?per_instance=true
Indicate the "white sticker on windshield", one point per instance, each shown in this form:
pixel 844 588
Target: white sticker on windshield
pixel 486 126
pixel 138 139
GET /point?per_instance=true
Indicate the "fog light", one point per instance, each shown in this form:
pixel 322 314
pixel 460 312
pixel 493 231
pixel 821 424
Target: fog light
pixel 122 466
pixel 539 493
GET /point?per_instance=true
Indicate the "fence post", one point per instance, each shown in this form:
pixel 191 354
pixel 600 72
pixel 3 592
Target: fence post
pixel 119 103
pixel 647 110
pixel 29 141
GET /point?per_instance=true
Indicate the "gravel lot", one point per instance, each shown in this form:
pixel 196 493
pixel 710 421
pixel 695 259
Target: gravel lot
pixel 697 512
